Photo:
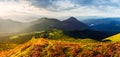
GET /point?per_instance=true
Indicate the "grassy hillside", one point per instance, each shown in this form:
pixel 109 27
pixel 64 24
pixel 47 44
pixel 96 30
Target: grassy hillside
pixel 7 43
pixel 54 43
pixel 6 46
pixel 114 38
pixel 56 48
pixel 51 34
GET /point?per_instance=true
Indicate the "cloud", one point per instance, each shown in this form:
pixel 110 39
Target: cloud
pixel 41 3
pixel 61 5
pixel 30 9
pixel 20 10
pixel 53 5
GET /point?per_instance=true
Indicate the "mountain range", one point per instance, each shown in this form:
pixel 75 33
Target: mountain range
pixel 50 23
pixel 50 37
pixel 104 24
pixel 70 24
pixel 41 24
pixel 72 27
pixel 9 26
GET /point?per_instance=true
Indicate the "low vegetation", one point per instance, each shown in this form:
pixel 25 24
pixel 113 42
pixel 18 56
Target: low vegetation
pixel 56 48
pixel 56 44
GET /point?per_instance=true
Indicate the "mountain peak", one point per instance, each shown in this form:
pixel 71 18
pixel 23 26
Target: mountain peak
pixel 72 19
pixel 73 24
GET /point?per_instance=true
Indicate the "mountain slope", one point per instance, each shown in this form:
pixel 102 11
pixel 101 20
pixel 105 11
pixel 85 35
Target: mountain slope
pixel 104 24
pixel 10 26
pixel 50 23
pixel 114 38
pixel 73 24
pixel 96 35
pixel 44 24
pixel 53 48
pixel 41 47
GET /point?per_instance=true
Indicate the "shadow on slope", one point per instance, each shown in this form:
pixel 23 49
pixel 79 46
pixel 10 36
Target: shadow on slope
pixel 96 35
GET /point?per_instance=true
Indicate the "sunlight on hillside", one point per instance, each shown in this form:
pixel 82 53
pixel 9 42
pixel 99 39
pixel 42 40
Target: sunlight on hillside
pixel 55 48
pixel 114 38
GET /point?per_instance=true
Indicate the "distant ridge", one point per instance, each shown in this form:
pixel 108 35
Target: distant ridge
pixel 50 23
pixel 10 26
pixel 104 24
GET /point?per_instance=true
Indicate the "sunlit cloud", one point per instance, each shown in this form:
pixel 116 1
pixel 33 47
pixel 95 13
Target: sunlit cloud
pixel 31 9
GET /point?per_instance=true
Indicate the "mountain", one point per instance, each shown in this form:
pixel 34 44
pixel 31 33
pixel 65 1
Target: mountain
pixel 51 23
pixel 44 24
pixel 73 24
pixel 104 24
pixel 114 38
pixel 71 27
pixel 9 26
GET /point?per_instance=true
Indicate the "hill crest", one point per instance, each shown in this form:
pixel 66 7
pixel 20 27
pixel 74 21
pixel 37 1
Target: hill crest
pixel 114 38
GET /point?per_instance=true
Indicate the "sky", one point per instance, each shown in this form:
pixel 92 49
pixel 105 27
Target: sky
pixel 24 10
